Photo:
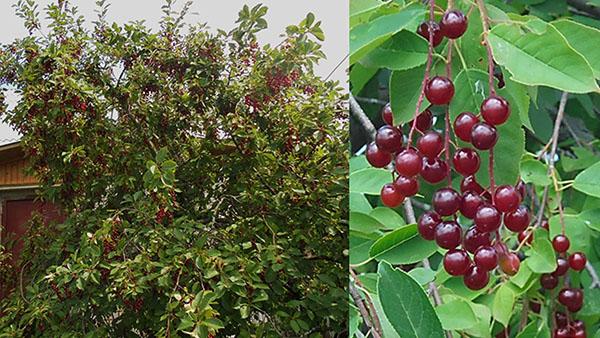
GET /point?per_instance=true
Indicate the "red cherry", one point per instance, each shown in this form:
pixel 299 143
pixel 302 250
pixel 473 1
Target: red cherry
pixel 439 90
pixel 548 281
pixel 506 198
pixel 562 332
pixel 525 235
pixel 521 189
pixel 509 263
pixel 535 306
pixel 377 157
pixel 464 124
pixel 483 136
pixel 487 218
pixel 387 115
pixel 495 110
pixel 389 139
pixel 456 262
pixel 391 196
pixel 486 258
pixel 469 183
pixel 427 223
pixel 578 325
pixel 423 31
pixel 578 301
pixel 408 186
pixel 474 239
pixel 470 202
pixel 561 319
pixel 517 220
pixel 430 144
pixel 560 243
pixel 562 266
pixel 577 261
pixel 567 297
pixel 409 162
pixel 424 120
pixel 545 225
pixel 434 170
pixel 448 235
pixel 466 161
pixel 476 278
pixel 579 334
pixel 446 201
pixel 453 24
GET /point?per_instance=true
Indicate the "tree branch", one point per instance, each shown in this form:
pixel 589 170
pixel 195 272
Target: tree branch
pixel 595 280
pixel 362 118
pixel 376 323
pixel 581 5
pixel 361 308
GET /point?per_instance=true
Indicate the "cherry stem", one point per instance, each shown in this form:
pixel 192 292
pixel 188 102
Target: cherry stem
pixel 491 174
pixel 447 112
pixel 485 22
pixel 425 77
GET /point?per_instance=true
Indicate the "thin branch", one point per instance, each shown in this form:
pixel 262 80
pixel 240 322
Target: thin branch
pixel 336 67
pixel 376 323
pixel 582 5
pixel 370 100
pixel 486 31
pixel 361 307
pixel 362 118
pixel 595 280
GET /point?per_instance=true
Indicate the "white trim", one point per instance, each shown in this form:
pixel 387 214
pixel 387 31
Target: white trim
pixel 19 187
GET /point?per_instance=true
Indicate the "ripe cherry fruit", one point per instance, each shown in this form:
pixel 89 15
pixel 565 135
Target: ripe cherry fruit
pixel 423 31
pixel 453 24
pixel 517 220
pixel 577 261
pixel 474 239
pixel 408 186
pixel 548 281
pixel 562 266
pixel 509 263
pixel 448 235
pixel 476 278
pixel 486 258
pixel 389 139
pixel 430 144
pixel 526 236
pixel 463 124
pixel 434 170
pixel 409 162
pixel 469 183
pixel 470 202
pixel 466 161
pixel 446 201
pixel 439 90
pixel 427 223
pixel 483 136
pixel 391 196
pixel 424 120
pixel 506 198
pixel 456 262
pixel 487 218
pixel 560 243
pixel 377 157
pixel 495 110
pixel 386 114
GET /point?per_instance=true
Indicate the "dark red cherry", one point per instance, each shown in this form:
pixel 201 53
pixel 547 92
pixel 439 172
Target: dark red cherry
pixel 424 120
pixel 501 248
pixel 430 144
pixel 495 110
pixel 577 261
pixel 409 162
pixel 423 31
pixel 506 198
pixel 391 196
pixel 483 136
pixel 476 278
pixel 456 262
pixel 408 186
pixel 521 189
pixel 578 301
pixel 389 139
pixel 464 124
pixel 560 243
pixel 578 325
pixel 525 236
pixel 561 319
pixel 548 281
pixel 386 114
pixel 562 332
pixel 579 334
pixel 377 157
pixel 427 223
pixel 474 239
pixel 545 225
pixel 517 220
pixel 486 258
pixel 466 161
pixel 439 90
pixel 487 218
pixel 446 201
pixel 509 263
pixel 469 183
pixel 535 307
pixel 562 266
pixel 567 297
pixel 448 235
pixel 470 202
pixel 434 170
pixel 453 24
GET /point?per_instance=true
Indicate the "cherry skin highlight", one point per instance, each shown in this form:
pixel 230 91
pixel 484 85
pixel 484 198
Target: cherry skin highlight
pixel 427 224
pixel 423 30
pixel 456 262
pixel 386 114
pixel 466 161
pixel 446 201
pixel 439 90
pixel 448 235
pixel 517 220
pixel 470 202
pixel 391 196
pixel 495 110
pixel 409 162
pixel 483 136
pixel 453 24
pixel 430 144
pixel 577 261
pixel 408 186
pixel 562 266
pixel 487 218
pixel 486 258
pixel 463 124
pixel 560 243
pixel 389 139
pixel 476 278
pixel 506 198
pixel 474 239
pixel 434 170
pixel 377 157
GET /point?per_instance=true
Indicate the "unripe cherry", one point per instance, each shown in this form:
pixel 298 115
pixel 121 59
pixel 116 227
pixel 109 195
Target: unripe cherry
pixel 509 263
pixel 377 157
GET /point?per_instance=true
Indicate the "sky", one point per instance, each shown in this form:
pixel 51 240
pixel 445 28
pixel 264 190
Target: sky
pixel 219 15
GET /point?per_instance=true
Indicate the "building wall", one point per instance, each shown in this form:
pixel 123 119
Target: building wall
pixel 13 173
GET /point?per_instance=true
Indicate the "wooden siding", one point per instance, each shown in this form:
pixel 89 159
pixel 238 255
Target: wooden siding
pixel 12 174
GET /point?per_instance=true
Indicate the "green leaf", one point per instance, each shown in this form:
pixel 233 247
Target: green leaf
pixel 575 228
pixel 360 76
pixel 359 203
pixel 403 51
pixel 367 36
pixel 482 324
pixel 579 37
pixel 392 240
pixel 360 244
pixel 504 301
pixel 369 180
pixel 363 223
pixel 410 251
pixel 422 275
pixel 545 59
pixel 405 87
pixel 388 217
pixel 535 329
pixel 406 305
pixel 456 314
pixel 536 172
pixel 588 181
pixel 542 258
pixel 585 158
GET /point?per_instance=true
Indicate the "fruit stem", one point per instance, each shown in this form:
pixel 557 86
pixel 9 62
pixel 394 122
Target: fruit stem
pixel 447 113
pixel 486 31
pixel 425 77
pixel 491 174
